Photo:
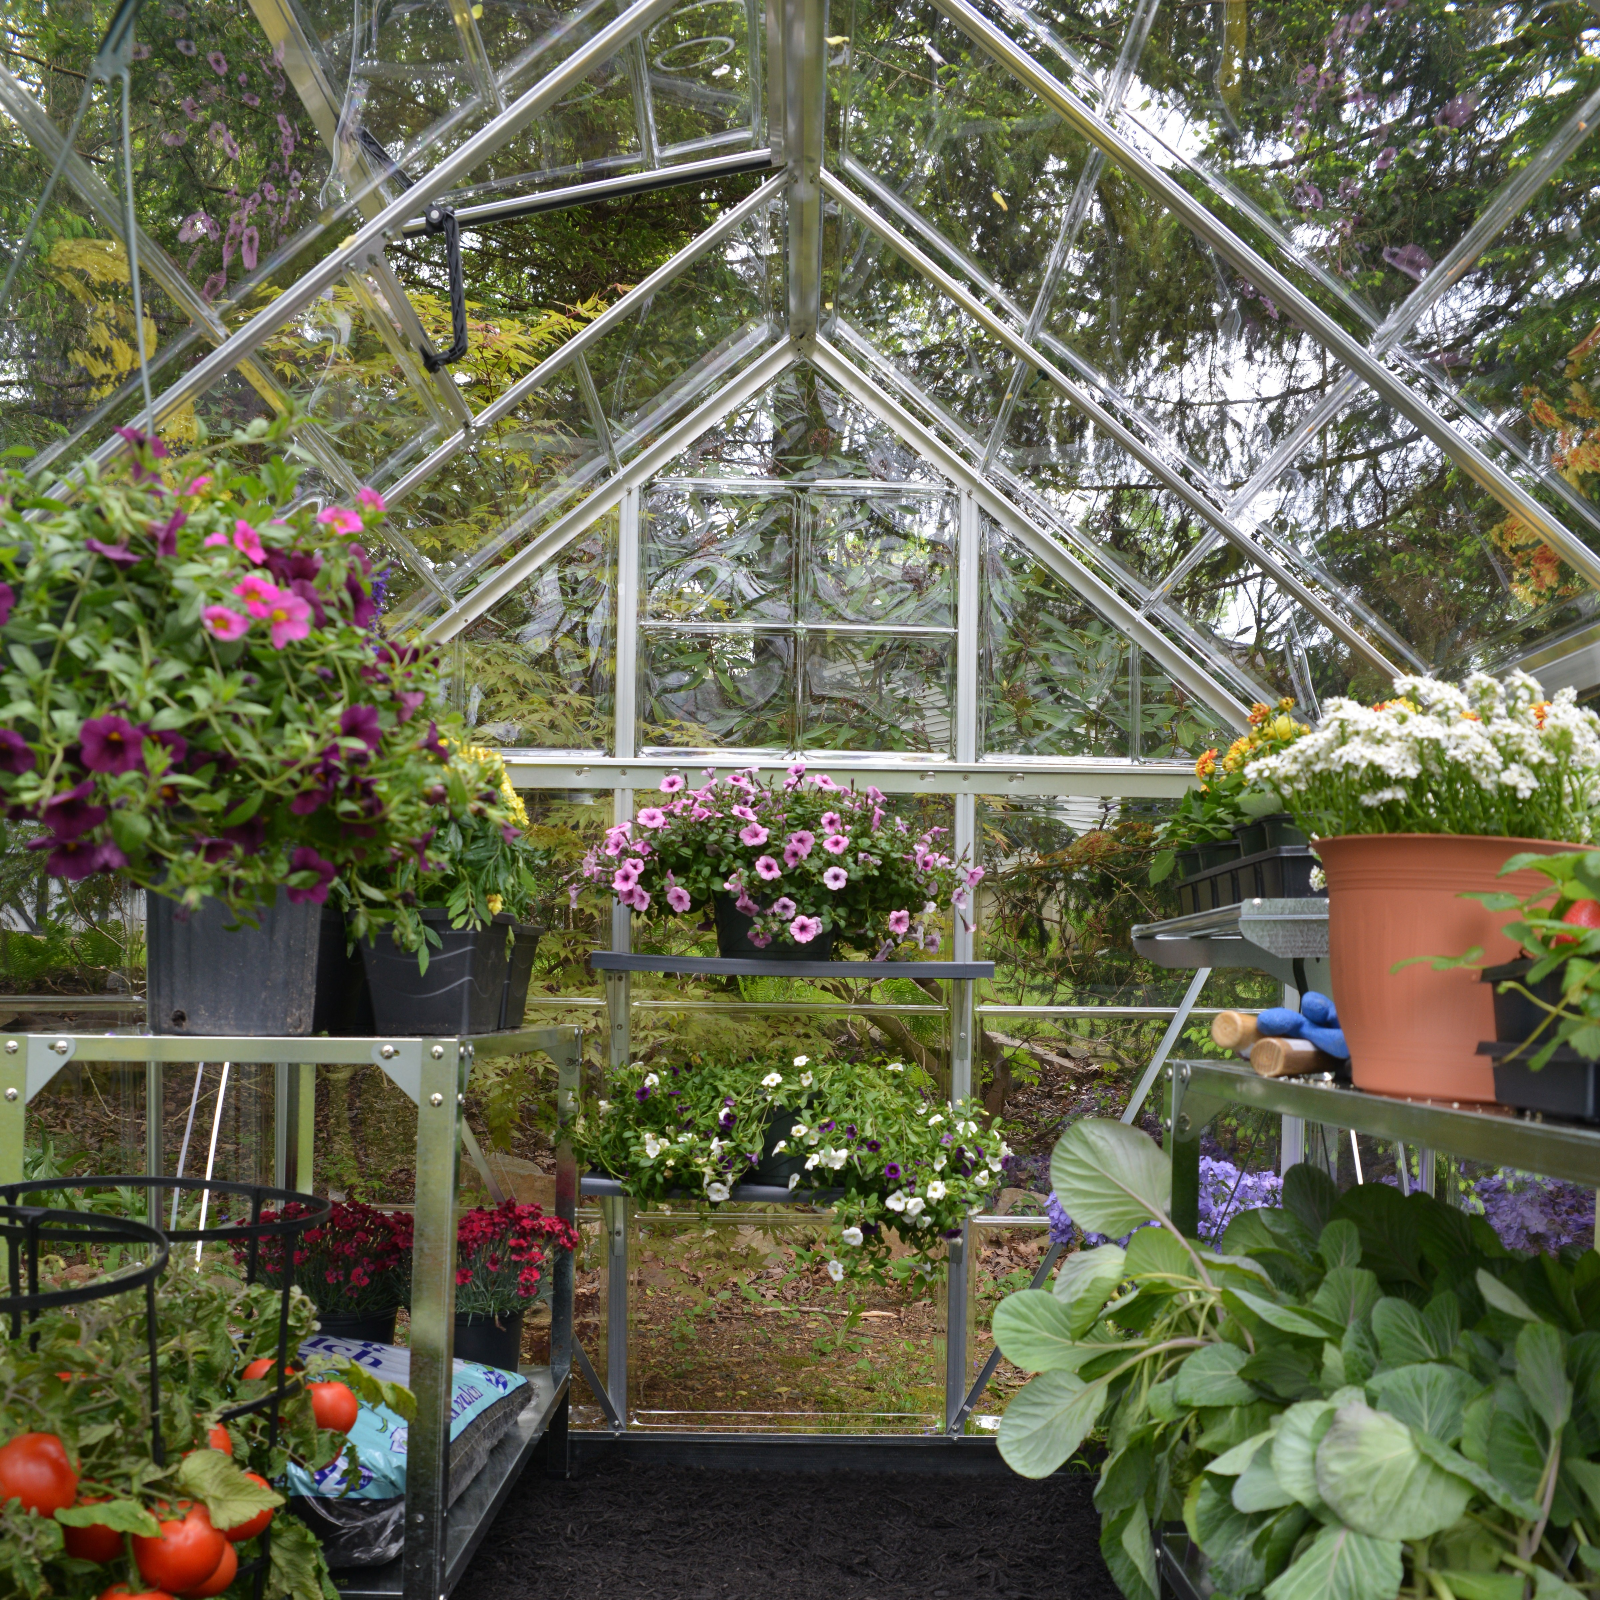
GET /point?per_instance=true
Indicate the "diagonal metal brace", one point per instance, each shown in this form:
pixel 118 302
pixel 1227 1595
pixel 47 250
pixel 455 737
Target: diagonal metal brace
pixel 975 1393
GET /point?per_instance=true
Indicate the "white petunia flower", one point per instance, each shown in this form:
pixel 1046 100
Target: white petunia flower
pixel 836 1158
pixel 836 1270
pixel 653 1146
pixel 896 1201
pixel 772 1080
pixel 915 1205
pixel 938 1162
pixel 794 1178
pixel 684 1138
pixel 805 1078
pixel 813 1159
pixel 716 1192
pixel 801 1061
pixel 797 1131
pixel 935 1119
pixel 605 1106
pixel 852 1236
pixel 780 1147
pixel 936 1189
pixel 896 1066
pixel 651 1080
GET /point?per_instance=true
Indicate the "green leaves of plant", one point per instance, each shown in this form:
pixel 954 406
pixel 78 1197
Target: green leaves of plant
pixel 1375 1479
pixel 1541 1372
pixel 1503 1298
pixel 1086 1281
pixel 121 1516
pixel 1427 1396
pixel 1047 1419
pixel 1035 1332
pixel 1111 1178
pixel 1341 1565
pixel 1210 1377
pixel 222 1486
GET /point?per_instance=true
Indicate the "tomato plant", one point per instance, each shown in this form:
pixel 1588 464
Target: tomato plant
pixel 35 1471
pixel 184 1552
pixel 334 1405
pixel 250 1528
pixel 220 1578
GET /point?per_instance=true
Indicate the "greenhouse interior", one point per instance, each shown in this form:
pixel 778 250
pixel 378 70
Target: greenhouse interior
pixel 847 742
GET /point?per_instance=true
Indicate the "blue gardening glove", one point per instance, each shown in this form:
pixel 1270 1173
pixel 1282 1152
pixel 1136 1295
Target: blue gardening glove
pixel 1280 1022
pixel 1318 1009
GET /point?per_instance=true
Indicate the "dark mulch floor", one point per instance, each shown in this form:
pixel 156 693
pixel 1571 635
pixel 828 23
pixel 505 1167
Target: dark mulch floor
pixel 629 1529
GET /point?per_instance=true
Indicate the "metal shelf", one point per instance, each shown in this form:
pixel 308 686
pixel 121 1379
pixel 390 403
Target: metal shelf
pixel 615 961
pixel 1476 1132
pixel 468 1520
pixel 1287 938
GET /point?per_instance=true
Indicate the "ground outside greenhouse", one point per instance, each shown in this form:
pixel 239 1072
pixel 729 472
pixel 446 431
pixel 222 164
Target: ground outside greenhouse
pixel 631 1528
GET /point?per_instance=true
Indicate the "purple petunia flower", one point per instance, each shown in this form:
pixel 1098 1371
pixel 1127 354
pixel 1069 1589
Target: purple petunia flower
pixel 112 744
pixel 15 754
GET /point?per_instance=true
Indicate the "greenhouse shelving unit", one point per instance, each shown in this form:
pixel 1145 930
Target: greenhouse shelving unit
pixel 433 1073
pixel 617 967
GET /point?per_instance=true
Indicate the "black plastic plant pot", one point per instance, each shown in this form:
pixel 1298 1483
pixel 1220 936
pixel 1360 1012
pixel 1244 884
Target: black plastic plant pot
pixel 489 1340
pixel 1218 852
pixel 733 939
pixel 462 991
pixel 1516 1017
pixel 777 1168
pixel 344 1003
pixel 1567 1086
pixel 1265 833
pixel 207 977
pixel 519 973
pixel 375 1327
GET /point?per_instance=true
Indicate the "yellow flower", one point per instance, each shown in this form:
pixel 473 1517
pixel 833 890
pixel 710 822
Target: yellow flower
pixel 1206 765
pixel 495 903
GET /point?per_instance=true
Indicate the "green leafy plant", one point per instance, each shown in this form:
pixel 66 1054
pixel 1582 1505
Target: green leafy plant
pixel 1357 1395
pixel 82 1375
pixel 193 696
pixel 897 1157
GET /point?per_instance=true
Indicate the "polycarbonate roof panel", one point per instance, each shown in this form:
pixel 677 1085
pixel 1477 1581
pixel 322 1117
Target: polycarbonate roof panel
pixel 1317 290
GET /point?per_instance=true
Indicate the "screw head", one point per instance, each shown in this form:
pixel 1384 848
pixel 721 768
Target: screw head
pixel 435 1099
pixel 1183 1122
pixel 61 1047
pixel 12 1047
pixel 437 1052
pixel 11 1094
pixel 387 1052
pixel 461 1099
pixel 1184 1074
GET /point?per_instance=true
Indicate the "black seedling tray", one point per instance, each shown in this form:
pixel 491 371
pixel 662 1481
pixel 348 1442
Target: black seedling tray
pixel 1281 873
pixel 1566 1086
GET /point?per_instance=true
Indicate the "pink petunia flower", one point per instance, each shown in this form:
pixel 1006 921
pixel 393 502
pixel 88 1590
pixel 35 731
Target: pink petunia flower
pixel 651 817
pixel 223 622
pixel 215 541
pixel 804 929
pixel 768 868
pixel 752 834
pixel 874 794
pixel 248 542
pixel 679 899
pixel 641 899
pixel 783 906
pixel 793 855
pixel 974 877
pixel 899 921
pixel 745 906
pixel 744 813
pixel 633 866
pixel 797 770
pixel 197 484
pixel 802 840
pixel 832 822
pixel 836 845
pixel 823 781
pixel 672 783
pixel 288 616
pixel 371 499
pixel 256 588
pixel 340 519
pixel 836 877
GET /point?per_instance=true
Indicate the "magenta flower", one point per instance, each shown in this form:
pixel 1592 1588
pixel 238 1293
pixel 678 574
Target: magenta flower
pixel 340 519
pixel 622 881
pixel 744 813
pixel 8 598
pixel 218 63
pixel 899 921
pixel 371 499
pixel 224 623
pixel 186 47
pixel 641 899
pixel 797 770
pixel 768 868
pixel 761 940
pixel 837 844
pixel 792 855
pixel 215 541
pixel 76 859
pixel 68 815
pixel 974 877
pixel 804 929
pixel 802 841
pixel 118 554
pixel 112 744
pixel 672 783
pixel 15 755
pixel 1385 159
pixel 633 865
pixel 652 817
pixel 361 722
pixel 874 794
pixel 165 533
pixel 783 906
pixel 248 542
pixel 823 781
pixel 255 589
pixel 836 877
pixel 752 834
pixel 745 906
pixel 305 859
pixel 678 898
pixel 832 822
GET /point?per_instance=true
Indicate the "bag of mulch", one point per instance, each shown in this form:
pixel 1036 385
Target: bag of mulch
pixel 365 1526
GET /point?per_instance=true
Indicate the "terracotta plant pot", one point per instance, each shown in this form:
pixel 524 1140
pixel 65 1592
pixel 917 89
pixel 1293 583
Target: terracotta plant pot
pixel 1392 896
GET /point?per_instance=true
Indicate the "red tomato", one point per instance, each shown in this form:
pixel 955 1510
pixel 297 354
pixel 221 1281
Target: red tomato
pixel 220 1579
pixel 335 1405
pixel 184 1553
pixel 220 1439
pixel 35 1470
pixel 120 1591
pixel 262 1365
pixel 94 1543
pixel 248 1530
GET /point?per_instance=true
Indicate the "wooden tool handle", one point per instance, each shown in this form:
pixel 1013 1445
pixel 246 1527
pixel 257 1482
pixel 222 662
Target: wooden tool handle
pixel 1288 1058
pixel 1235 1030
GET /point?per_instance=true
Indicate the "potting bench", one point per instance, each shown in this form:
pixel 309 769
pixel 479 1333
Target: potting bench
pixel 433 1073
